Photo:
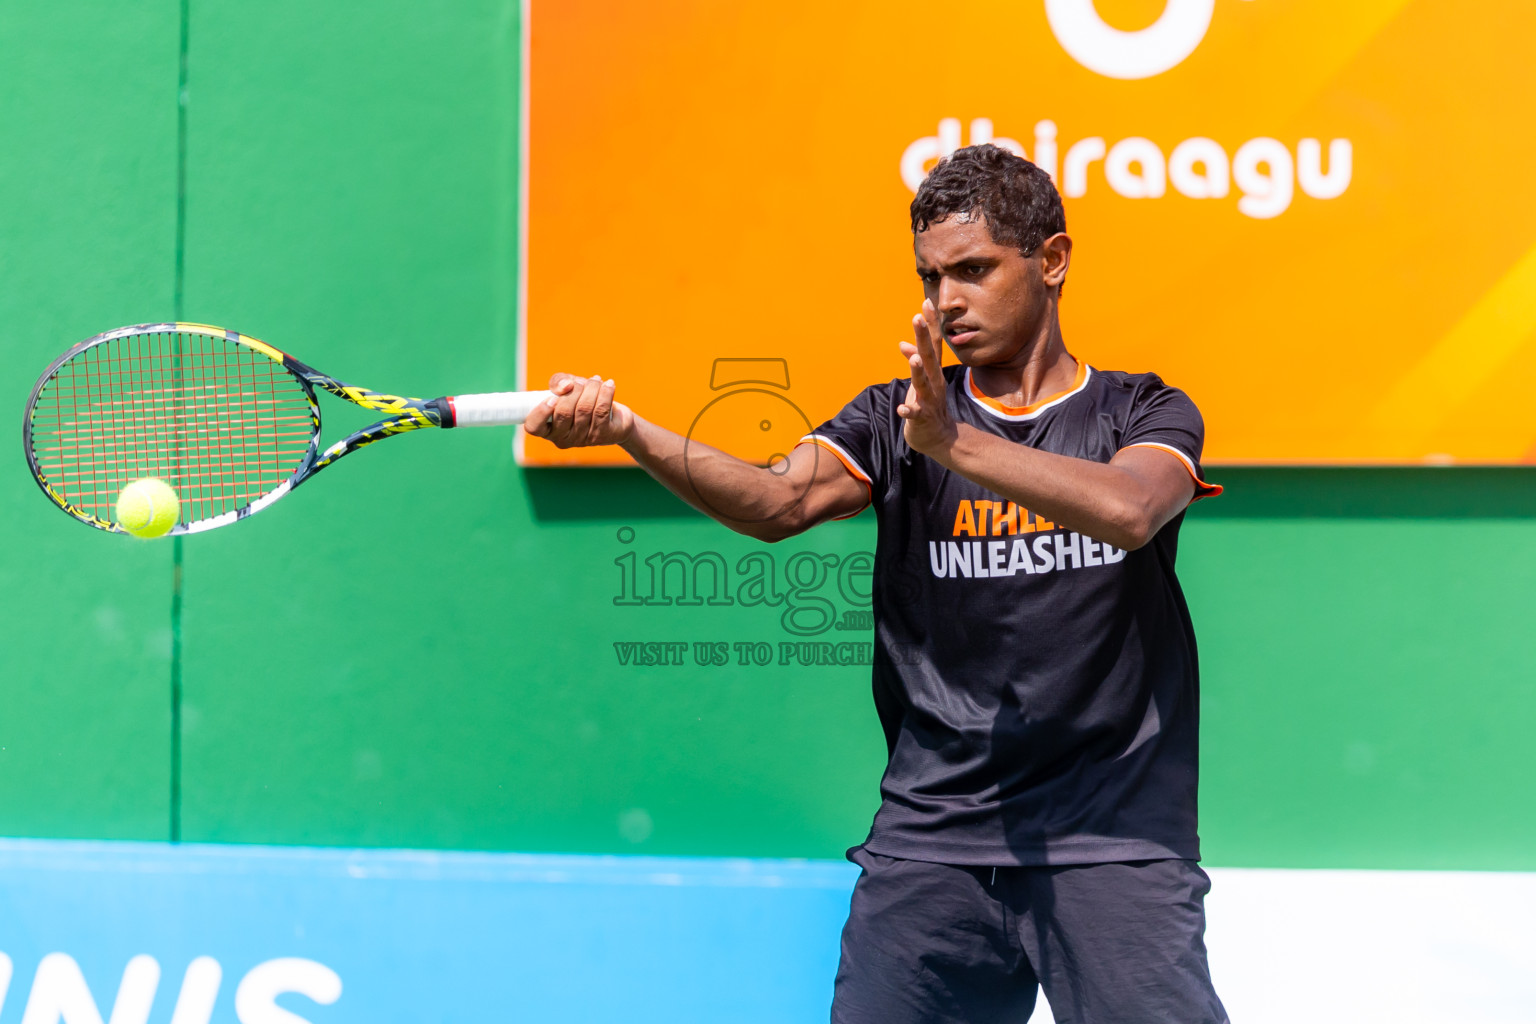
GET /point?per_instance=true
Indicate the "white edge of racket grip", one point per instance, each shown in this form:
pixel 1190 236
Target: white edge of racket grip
pixel 495 409
pixel 524 134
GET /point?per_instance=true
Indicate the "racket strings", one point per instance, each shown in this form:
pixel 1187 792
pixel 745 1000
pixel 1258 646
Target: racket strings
pixel 222 424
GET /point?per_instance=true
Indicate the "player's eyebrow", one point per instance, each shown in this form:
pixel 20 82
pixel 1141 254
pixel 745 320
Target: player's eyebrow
pixel 971 260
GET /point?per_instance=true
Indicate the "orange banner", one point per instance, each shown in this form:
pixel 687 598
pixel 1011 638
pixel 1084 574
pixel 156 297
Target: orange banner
pixel 1314 217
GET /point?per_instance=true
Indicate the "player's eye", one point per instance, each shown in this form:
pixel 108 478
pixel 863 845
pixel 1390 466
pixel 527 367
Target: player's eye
pixel 975 270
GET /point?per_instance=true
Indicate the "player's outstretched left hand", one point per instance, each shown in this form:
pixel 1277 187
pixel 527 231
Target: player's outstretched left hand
pixel 929 428
pixel 580 412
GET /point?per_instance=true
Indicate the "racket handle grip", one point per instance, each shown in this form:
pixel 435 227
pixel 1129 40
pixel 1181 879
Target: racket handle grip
pixel 495 409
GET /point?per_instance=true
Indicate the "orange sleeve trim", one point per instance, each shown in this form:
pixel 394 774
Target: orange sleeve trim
pixel 1202 489
pixel 848 464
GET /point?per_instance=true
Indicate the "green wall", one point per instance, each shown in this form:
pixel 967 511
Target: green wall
pixel 1368 668
pixel 420 650
pixel 87 233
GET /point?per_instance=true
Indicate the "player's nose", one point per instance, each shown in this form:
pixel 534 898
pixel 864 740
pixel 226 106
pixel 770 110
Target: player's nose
pixel 951 298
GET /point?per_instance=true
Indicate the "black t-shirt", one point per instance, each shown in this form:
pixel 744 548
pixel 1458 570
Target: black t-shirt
pixel 1038 689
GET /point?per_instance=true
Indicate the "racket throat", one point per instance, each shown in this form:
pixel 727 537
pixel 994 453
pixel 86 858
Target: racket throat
pixel 446 415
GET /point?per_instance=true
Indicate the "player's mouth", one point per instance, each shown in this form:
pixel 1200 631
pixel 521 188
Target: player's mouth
pixel 960 333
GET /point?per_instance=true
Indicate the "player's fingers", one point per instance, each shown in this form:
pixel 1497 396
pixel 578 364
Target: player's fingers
pixel 537 422
pixel 914 363
pixel 543 420
pixel 602 411
pixel 922 376
pixel 932 345
pixel 922 339
pixel 581 418
pixel 911 353
pixel 564 413
pixel 925 329
pixel 932 338
pixel 931 322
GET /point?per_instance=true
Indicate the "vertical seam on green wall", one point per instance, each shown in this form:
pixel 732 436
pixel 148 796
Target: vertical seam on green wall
pixel 505 195
pixel 177 296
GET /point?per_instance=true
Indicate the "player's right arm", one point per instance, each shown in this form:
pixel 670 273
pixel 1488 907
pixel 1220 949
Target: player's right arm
pixel 805 489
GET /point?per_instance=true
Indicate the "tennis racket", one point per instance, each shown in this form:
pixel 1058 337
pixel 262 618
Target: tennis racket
pixel 230 422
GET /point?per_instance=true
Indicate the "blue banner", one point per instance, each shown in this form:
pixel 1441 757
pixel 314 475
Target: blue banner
pixel 147 933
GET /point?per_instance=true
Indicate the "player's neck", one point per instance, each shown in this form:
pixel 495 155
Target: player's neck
pixel 1041 369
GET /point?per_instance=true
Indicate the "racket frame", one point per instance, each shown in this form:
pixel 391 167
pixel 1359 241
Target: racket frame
pixel 407 414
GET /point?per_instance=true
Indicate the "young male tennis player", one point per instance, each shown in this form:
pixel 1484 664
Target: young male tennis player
pixel 1039 691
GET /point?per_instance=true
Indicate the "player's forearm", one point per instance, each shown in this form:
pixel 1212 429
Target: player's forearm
pixel 1105 502
pixel 748 499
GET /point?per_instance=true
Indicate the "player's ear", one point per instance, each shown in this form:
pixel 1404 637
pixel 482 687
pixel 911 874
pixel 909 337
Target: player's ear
pixel 1055 255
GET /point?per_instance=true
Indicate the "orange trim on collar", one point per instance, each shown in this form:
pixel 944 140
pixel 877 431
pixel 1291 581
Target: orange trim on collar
pixel 1024 410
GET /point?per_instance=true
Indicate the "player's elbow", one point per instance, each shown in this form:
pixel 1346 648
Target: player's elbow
pixel 1134 540
pixel 790 522
pixel 1134 524
pixel 766 534
pixel 784 507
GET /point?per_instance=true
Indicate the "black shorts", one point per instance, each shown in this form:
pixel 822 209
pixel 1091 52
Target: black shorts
pixel 1109 942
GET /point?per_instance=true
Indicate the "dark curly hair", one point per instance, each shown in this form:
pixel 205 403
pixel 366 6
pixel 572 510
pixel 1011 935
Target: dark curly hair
pixel 1021 206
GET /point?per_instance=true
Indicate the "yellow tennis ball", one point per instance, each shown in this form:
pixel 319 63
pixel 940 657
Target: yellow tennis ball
pixel 148 508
